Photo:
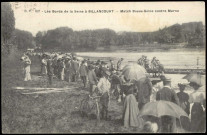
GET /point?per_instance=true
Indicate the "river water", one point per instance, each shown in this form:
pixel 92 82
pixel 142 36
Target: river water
pixel 170 59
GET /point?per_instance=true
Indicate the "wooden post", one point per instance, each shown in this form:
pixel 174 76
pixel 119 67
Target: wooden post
pixel 197 62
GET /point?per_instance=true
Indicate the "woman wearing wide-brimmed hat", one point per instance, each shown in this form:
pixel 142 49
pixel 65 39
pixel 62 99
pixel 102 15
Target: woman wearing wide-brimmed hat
pixel 131 110
pixel 27 63
pixel 44 65
pixel 183 98
pixel 197 100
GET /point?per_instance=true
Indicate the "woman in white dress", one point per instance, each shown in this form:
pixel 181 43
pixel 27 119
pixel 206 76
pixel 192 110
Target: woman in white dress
pixel 44 66
pixel 27 63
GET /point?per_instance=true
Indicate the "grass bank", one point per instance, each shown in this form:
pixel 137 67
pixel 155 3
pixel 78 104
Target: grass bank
pixel 52 112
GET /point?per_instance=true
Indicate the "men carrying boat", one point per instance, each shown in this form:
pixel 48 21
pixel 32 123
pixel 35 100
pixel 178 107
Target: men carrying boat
pixel 119 64
pixel 154 63
pixel 146 63
pixel 141 61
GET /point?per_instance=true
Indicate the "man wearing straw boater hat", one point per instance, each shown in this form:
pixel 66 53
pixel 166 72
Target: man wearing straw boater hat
pixel 92 78
pixel 168 123
pixel 166 93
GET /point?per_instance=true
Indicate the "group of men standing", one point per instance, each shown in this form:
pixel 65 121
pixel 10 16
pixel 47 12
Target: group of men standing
pixel 69 68
pixel 65 68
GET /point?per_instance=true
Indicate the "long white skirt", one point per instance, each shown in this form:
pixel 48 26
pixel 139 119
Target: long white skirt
pixel 27 75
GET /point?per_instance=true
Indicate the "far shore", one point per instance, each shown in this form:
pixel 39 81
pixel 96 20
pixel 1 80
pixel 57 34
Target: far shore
pixel 128 50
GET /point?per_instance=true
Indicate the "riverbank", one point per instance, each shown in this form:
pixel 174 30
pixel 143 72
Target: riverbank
pixel 37 109
pixel 131 49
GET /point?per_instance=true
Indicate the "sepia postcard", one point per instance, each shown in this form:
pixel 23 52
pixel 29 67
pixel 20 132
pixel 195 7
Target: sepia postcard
pixel 103 67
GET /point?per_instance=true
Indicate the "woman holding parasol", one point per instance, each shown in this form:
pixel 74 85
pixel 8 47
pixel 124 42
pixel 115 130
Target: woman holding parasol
pixel 197 100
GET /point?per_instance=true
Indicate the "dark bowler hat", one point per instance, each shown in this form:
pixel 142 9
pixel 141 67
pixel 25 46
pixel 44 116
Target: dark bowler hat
pixel 167 79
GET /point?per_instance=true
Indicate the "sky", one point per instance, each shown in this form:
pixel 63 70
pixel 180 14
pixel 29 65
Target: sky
pixel 41 17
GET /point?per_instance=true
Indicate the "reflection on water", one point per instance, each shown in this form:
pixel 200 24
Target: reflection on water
pixel 173 59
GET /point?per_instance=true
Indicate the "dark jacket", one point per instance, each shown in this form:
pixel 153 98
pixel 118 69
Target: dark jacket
pixel 144 87
pixel 183 99
pixel 49 68
pixel 167 94
pixel 115 79
pixel 98 71
pixel 74 67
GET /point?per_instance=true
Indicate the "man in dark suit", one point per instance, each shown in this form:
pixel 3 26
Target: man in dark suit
pixel 168 123
pixel 166 93
pixel 74 69
pixel 50 70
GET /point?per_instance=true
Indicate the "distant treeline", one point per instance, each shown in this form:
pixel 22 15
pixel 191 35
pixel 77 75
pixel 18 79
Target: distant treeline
pixel 65 38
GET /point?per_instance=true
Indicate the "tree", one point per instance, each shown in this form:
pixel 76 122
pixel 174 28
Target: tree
pixel 39 37
pixel 24 39
pixel 7 24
